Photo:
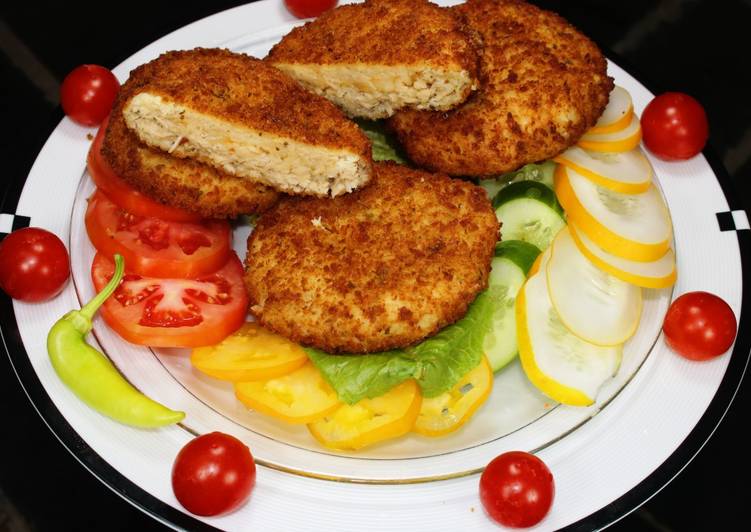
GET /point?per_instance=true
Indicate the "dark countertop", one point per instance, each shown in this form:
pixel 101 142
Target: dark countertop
pixel 693 46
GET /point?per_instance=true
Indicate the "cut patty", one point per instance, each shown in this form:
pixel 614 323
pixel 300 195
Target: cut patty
pixel 374 58
pixel 542 85
pixel 248 119
pixel 381 268
pixel 183 183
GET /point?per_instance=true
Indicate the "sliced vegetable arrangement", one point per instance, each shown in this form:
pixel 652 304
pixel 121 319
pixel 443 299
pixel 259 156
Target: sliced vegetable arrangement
pixel 183 286
pixel 583 298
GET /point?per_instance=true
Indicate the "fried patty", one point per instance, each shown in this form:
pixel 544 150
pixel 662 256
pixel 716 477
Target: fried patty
pixel 374 58
pixel 182 183
pixel 542 85
pixel 381 268
pixel 248 119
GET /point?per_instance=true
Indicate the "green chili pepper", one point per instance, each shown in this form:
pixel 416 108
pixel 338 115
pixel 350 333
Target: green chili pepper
pixel 91 375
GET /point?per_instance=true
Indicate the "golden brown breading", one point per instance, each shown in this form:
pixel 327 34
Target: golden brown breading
pixel 381 268
pixel 181 183
pixel 247 118
pixel 381 55
pixel 542 85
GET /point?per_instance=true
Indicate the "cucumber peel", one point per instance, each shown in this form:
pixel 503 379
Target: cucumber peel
pixel 512 261
pixel 529 211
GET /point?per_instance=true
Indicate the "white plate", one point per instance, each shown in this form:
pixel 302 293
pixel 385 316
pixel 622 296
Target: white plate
pixel 658 411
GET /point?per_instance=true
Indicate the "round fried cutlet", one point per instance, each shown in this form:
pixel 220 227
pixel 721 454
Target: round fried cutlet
pixel 381 32
pixel 380 268
pixel 542 85
pixel 182 183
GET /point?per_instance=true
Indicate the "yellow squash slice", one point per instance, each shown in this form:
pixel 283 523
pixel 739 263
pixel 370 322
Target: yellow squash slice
pixel 560 364
pixel 626 139
pixel 617 115
pixel 628 172
pixel 594 305
pixel 633 226
pixel 660 273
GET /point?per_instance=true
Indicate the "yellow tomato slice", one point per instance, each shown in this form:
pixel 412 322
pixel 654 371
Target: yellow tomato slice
pixel 298 397
pixel 371 420
pixel 449 411
pixel 250 354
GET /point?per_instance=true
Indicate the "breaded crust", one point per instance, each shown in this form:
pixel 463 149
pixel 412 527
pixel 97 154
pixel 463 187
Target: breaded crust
pixel 542 85
pixel 381 268
pixel 181 183
pixel 382 32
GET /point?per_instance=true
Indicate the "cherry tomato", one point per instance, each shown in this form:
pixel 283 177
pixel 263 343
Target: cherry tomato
pixel 122 194
pixel 674 126
pixel 309 8
pixel 174 312
pixel 87 94
pixel 699 326
pixel 34 264
pixel 154 247
pixel 213 474
pixel 517 489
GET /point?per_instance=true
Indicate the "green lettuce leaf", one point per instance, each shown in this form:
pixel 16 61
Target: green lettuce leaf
pixel 437 363
pixel 356 377
pixel 443 359
pixel 385 145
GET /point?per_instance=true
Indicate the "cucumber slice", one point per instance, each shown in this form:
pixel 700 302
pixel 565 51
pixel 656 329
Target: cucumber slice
pixel 540 172
pixel 512 261
pixel 521 253
pixel 529 211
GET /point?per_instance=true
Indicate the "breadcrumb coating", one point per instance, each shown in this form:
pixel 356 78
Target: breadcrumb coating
pixel 542 85
pixel 381 268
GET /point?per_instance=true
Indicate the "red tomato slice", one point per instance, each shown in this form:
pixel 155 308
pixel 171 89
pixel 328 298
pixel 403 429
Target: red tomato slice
pixel 123 194
pixel 154 247
pixel 174 312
